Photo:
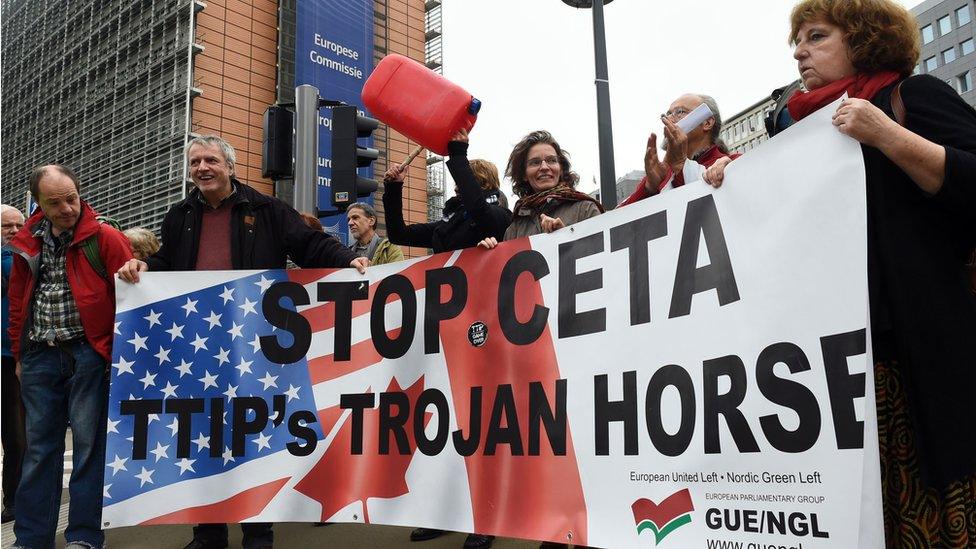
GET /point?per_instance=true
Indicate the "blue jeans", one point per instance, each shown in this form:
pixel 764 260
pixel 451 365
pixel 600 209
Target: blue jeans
pixel 61 384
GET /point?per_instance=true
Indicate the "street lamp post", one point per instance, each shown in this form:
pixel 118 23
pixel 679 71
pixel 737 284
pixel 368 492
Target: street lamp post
pixel 608 178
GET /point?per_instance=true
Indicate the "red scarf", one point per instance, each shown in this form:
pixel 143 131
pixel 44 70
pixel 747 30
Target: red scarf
pixel 861 86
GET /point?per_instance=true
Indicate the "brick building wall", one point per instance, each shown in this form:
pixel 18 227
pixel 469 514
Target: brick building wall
pixel 237 72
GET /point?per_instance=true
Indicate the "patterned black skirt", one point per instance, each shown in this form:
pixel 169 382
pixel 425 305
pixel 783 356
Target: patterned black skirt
pixel 916 515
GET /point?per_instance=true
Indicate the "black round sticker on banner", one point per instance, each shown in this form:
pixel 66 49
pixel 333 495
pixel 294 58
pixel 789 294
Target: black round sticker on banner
pixel 478 333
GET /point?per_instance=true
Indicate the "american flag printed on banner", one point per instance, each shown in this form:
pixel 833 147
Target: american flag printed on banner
pixel 204 344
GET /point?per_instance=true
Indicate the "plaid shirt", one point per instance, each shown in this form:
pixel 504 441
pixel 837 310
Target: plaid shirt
pixel 56 316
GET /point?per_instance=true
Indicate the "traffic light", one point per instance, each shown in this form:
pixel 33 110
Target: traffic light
pixel 347 156
pixel 276 149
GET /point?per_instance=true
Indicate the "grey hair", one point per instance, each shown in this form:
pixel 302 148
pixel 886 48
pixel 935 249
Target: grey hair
pixel 366 208
pixel 209 141
pixel 716 132
pixel 5 207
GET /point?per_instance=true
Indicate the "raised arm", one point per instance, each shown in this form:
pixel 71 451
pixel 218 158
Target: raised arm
pixel 418 234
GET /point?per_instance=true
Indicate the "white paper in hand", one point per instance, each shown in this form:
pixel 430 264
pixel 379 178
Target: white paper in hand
pixel 695 118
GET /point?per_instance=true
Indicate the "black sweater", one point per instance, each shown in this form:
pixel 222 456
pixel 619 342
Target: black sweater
pixel 923 314
pixel 471 216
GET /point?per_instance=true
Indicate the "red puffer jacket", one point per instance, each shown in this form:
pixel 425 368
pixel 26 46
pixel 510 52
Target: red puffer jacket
pixel 94 295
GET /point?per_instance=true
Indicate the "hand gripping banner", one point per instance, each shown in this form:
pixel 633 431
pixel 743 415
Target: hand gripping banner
pixel 687 371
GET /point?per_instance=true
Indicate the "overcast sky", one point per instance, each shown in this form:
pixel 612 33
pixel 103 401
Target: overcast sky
pixel 531 64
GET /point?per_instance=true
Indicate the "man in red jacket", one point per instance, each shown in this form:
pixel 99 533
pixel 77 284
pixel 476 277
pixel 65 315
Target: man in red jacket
pixel 701 145
pixel 62 309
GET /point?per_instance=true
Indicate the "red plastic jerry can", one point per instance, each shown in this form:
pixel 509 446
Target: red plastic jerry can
pixel 419 103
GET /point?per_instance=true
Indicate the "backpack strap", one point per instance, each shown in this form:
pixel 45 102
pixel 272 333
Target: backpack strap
pixel 897 105
pixel 90 247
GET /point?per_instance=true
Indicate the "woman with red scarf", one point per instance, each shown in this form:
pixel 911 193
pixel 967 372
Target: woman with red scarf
pixel 919 143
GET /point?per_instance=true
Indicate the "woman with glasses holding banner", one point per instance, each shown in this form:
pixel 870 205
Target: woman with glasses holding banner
pixel 918 138
pixel 543 180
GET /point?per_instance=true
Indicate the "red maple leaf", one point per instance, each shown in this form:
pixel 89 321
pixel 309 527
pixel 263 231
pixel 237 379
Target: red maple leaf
pixel 340 478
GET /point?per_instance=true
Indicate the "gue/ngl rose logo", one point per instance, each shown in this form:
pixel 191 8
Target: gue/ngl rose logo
pixel 673 513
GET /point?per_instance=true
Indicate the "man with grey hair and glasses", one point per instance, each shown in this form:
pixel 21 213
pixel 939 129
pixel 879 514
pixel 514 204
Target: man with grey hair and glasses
pixel 702 146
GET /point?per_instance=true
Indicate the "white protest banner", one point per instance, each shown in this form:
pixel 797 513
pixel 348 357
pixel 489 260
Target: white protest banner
pixel 687 371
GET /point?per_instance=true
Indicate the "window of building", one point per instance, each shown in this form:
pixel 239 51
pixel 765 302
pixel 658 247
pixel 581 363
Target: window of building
pixel 928 34
pixel 963 16
pixel 965 81
pixel 931 64
pixel 967 47
pixel 917 70
pixel 948 56
pixel 945 25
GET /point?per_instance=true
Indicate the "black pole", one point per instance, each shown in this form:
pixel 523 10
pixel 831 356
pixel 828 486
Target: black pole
pixel 608 178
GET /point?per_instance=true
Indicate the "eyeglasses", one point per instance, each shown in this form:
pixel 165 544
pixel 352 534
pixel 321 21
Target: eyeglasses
pixel 552 161
pixel 677 114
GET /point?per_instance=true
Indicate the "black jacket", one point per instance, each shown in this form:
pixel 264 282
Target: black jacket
pixel 471 216
pixel 265 232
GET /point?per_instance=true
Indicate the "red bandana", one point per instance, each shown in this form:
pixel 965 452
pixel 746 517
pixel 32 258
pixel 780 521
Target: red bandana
pixel 861 86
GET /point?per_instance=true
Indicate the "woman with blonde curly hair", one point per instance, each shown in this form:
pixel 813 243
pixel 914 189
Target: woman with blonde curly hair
pixel 918 138
pixel 144 243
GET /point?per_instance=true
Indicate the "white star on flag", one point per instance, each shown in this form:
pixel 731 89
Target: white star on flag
pixel 147 380
pixel 227 455
pixel 105 494
pixel 222 356
pixel 202 442
pixel 174 427
pixel 263 441
pixel 256 343
pixel 160 451
pixel 244 366
pixel 145 476
pixel 175 332
pixel 264 284
pixel 231 391
pixel 118 464
pixel 208 380
pixel 162 355
pixel 112 426
pixel 183 368
pixel 213 320
pixel 235 331
pixel 124 366
pixel 199 343
pixel 292 392
pixel 269 381
pixel 190 306
pixel 227 294
pixel 138 342
pixel 169 390
pixel 185 465
pixel 152 417
pixel 248 306
pixel 153 318
pixel 116 329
